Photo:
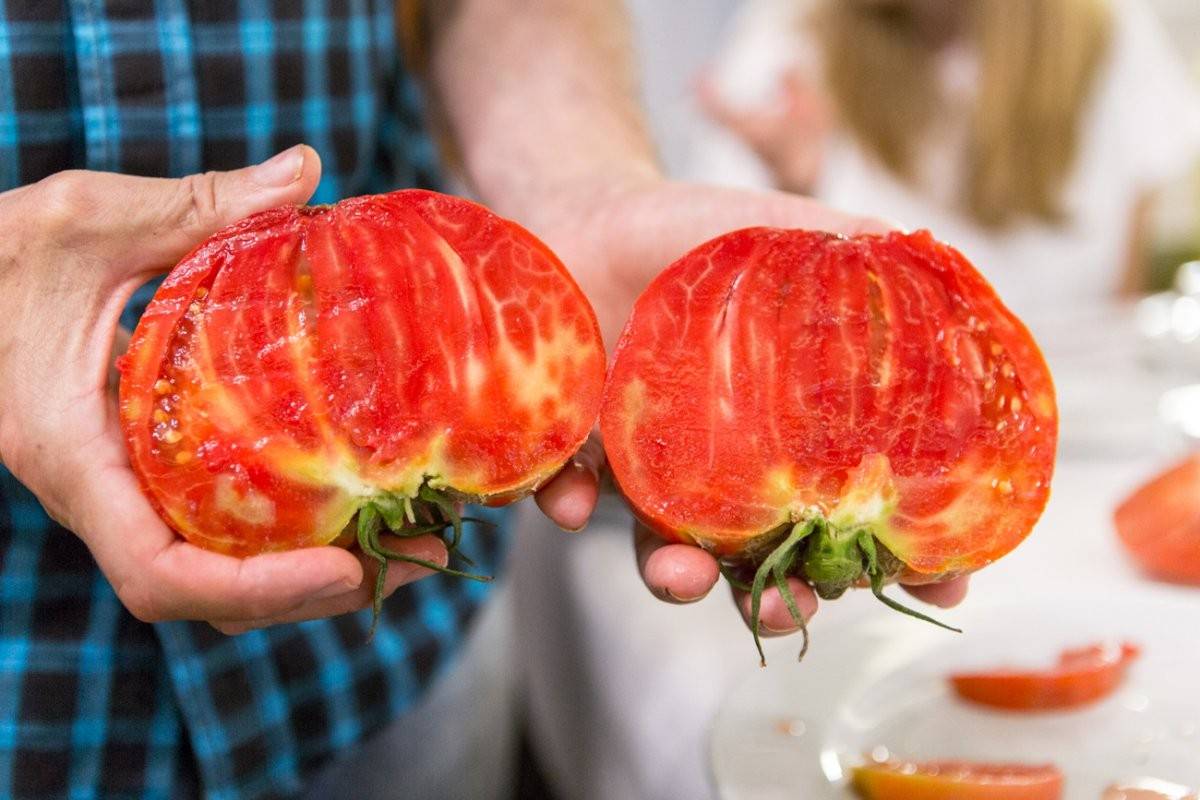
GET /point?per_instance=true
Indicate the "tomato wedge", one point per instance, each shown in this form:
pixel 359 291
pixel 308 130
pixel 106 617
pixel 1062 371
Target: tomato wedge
pixel 1082 676
pixel 383 357
pixel 1159 523
pixel 849 410
pixel 957 780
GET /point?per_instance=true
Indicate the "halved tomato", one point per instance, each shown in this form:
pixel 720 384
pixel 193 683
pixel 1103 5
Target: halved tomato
pixel 385 357
pixel 1083 675
pixel 957 780
pixel 848 410
pixel 1159 523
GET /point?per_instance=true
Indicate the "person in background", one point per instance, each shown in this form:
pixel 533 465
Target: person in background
pixel 125 131
pixel 1032 134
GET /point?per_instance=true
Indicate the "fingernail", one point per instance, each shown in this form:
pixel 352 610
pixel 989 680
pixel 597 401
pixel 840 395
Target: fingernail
pixel 338 587
pixel 780 631
pixel 585 465
pixel 280 170
pixel 680 599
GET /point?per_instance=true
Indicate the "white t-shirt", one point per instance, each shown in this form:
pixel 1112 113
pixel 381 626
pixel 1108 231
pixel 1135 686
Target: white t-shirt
pixel 1141 128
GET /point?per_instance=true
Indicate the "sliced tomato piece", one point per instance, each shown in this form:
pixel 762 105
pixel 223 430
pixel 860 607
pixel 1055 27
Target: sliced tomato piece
pixel 1082 676
pixel 957 780
pixel 393 353
pixel 1159 524
pixel 848 410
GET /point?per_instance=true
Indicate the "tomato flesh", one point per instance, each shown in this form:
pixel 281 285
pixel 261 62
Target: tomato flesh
pixel 307 362
pixel 1082 676
pixel 1159 524
pixel 957 780
pixel 875 384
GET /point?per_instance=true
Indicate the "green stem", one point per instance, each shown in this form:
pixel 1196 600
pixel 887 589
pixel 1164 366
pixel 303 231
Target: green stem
pixel 784 551
pixel 399 518
pixel 866 543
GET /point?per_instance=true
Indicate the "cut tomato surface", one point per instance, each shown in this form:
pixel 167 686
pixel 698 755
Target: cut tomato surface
pixel 840 408
pixel 1159 524
pixel 1083 675
pixel 385 352
pixel 957 780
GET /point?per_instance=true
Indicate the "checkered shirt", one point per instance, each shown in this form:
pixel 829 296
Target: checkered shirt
pixel 94 703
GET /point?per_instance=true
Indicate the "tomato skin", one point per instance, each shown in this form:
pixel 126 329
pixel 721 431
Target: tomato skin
pixel 1081 677
pixel 1159 523
pixel 957 780
pixel 306 361
pixel 876 382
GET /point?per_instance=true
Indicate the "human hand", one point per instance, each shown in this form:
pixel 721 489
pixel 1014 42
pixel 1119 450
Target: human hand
pixel 72 249
pixel 615 239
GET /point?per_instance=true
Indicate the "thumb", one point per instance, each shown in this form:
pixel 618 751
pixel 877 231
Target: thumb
pixel 168 217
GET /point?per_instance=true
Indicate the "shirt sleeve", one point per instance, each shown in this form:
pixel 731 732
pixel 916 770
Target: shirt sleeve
pixel 1151 102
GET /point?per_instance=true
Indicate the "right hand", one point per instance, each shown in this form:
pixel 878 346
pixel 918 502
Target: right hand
pixel 73 247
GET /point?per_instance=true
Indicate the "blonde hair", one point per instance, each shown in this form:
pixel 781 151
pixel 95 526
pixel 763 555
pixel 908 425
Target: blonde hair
pixel 1037 62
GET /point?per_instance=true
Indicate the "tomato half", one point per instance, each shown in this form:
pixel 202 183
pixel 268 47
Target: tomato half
pixel 957 780
pixel 389 354
pixel 1082 676
pixel 839 408
pixel 1159 524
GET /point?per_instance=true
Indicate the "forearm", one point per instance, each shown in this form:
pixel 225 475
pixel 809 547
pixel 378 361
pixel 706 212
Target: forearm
pixel 539 94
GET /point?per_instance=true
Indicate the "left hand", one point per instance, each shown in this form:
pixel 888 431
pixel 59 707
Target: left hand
pixel 615 237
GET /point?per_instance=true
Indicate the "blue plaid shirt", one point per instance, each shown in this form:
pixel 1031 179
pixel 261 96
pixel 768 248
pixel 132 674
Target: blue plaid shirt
pixel 94 703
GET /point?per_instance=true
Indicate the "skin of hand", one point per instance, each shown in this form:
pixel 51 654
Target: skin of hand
pixel 73 248
pixel 540 99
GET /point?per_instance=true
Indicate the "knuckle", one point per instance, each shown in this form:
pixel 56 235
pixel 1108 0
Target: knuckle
pixel 139 599
pixel 198 202
pixel 64 201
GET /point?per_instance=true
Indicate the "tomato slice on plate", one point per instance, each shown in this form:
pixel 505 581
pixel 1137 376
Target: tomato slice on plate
pixel 383 357
pixel 848 410
pixel 1081 676
pixel 956 780
pixel 1159 524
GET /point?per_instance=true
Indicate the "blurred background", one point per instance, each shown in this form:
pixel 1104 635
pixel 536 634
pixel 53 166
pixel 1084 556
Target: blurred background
pixel 1056 143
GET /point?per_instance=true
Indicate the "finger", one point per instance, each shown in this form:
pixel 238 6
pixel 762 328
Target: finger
pixel 426 548
pixel 943 595
pixel 676 573
pixel 160 577
pixel 570 497
pixel 774 617
pixel 150 223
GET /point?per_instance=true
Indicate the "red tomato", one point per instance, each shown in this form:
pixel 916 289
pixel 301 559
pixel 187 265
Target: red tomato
pixel 386 354
pixel 1159 524
pixel 957 780
pixel 844 409
pixel 1082 676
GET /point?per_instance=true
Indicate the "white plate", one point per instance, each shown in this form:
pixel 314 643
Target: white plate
pixel 793 730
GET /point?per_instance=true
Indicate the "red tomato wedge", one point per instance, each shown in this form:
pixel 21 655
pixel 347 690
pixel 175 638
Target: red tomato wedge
pixel 1159 524
pixel 382 357
pixel 848 410
pixel 1082 676
pixel 957 780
